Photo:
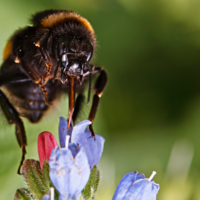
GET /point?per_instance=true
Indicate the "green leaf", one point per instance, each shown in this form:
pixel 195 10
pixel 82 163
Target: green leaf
pixel 47 180
pixel 92 185
pixel 22 194
pixel 34 179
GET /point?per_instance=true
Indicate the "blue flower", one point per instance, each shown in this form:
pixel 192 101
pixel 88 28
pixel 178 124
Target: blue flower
pixel 135 186
pixel 81 136
pixel 46 197
pixel 69 171
pixel 70 165
pixel 63 132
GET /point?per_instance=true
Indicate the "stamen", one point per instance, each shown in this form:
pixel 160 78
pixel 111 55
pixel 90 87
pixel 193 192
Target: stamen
pixel 67 141
pixel 152 175
pixel 52 193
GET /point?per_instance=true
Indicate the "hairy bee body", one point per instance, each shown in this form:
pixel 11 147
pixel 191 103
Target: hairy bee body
pixel 45 60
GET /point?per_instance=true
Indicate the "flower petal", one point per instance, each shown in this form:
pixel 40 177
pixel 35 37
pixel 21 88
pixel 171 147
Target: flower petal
pixel 93 147
pixel 74 149
pixel 46 142
pixel 135 186
pixel 68 174
pixel 63 132
pixel 46 197
pixel 142 189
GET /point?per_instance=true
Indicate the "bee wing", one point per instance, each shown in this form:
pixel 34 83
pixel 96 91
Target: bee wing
pixel 10 72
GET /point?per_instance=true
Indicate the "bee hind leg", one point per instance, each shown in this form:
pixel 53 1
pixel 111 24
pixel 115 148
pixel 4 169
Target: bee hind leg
pixel 13 118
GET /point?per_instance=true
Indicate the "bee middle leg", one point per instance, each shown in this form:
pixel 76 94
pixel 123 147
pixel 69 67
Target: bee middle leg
pixel 34 77
pixel 13 118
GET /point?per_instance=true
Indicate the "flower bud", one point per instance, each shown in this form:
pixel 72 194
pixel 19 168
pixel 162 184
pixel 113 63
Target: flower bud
pixel 46 143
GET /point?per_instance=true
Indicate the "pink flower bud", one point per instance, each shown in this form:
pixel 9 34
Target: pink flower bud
pixel 46 143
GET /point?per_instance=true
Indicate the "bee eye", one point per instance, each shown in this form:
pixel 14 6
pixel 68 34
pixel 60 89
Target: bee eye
pixel 64 60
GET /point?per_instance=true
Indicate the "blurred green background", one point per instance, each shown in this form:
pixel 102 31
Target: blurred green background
pixel 150 110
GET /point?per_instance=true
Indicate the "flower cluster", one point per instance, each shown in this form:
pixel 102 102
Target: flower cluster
pixel 70 165
pixel 69 172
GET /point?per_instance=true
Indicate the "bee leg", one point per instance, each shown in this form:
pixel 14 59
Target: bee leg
pixel 13 118
pixel 98 89
pixel 45 55
pixel 48 63
pixel 77 107
pixel 34 77
pixel 47 60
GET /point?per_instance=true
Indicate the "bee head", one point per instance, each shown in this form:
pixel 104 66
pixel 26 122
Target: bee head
pixel 74 54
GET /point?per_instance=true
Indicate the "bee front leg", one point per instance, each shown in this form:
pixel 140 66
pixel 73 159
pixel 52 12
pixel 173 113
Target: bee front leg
pixel 77 107
pixel 98 89
pixel 41 44
pixel 13 118
pixel 47 60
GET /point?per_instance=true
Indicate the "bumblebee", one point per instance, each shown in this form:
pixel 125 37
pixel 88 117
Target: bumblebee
pixel 43 61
